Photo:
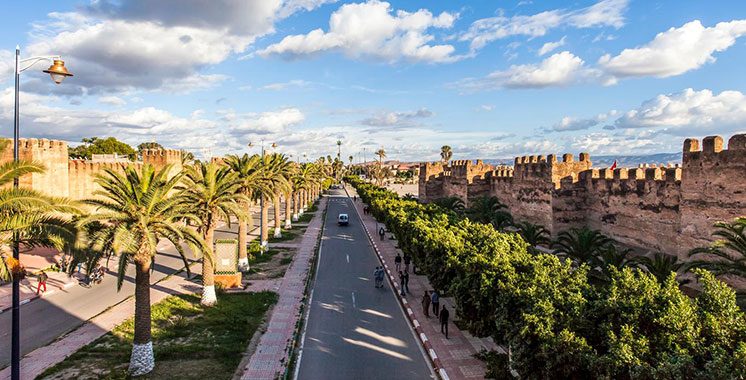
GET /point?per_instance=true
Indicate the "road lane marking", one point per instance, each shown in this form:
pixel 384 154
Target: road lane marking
pixel 348 259
pixel 353 301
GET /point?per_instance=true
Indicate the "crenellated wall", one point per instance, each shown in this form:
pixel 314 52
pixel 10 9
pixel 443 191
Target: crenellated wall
pixel 65 177
pixel 654 207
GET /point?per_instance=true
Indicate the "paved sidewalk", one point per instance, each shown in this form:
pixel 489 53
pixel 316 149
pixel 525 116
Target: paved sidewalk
pixel 453 358
pixel 271 357
pixel 34 363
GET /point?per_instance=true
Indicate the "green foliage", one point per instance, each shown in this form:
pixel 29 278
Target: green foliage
pixel 593 316
pixel 95 145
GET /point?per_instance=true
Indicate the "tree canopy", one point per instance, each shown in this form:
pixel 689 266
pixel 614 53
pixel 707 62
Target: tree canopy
pixel 95 145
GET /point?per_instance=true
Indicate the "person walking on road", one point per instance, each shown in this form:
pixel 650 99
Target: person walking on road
pixel 376 275
pixel 401 283
pixel 407 261
pixel 397 262
pixel 435 300
pixel 42 282
pixel 381 233
pixel 426 304
pixel 405 282
pixel 444 314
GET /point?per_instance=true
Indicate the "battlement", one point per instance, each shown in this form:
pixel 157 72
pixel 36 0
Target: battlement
pixel 712 151
pixel 470 170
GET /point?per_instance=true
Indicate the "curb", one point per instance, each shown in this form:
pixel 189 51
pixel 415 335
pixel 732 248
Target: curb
pixel 410 314
pixel 52 291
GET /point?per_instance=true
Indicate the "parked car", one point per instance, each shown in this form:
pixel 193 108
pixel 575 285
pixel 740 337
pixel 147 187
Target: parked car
pixel 343 219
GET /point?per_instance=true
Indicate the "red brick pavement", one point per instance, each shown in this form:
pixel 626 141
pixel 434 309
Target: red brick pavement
pixel 453 358
pixel 271 357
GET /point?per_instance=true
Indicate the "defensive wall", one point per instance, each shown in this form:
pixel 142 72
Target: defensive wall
pixel 666 208
pixel 75 178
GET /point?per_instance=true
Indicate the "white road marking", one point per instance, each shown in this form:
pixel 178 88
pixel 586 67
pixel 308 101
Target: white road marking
pixel 348 259
pixel 353 300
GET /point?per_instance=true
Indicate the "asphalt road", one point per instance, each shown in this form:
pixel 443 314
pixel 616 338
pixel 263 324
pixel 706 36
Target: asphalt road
pixel 354 330
pixel 45 319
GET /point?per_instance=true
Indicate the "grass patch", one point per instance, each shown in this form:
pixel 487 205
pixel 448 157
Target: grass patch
pixel 286 236
pixel 286 260
pixel 306 217
pixel 190 342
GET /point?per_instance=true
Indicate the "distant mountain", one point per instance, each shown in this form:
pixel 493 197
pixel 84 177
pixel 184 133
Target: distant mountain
pixel 607 161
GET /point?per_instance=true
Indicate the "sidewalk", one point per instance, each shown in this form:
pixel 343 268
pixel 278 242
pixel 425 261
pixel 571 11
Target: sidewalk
pixel 34 363
pixel 35 260
pixel 271 357
pixel 453 358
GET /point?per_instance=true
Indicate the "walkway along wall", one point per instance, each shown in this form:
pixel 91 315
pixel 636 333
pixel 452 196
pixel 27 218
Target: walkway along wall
pixel 655 207
pixel 74 178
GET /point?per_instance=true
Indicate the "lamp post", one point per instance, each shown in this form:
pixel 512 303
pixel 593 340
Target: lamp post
pixel 58 72
pixel 262 242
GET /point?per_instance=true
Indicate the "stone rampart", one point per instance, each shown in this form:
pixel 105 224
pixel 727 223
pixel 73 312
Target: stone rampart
pixel 653 207
pixel 65 177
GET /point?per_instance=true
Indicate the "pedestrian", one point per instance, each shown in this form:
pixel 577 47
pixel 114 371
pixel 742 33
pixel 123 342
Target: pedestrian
pixel 406 282
pixel 381 276
pixel 426 304
pixel 401 283
pixel 407 261
pixel 397 262
pixel 42 282
pixel 435 300
pixel 444 314
pixel 376 274
pixel 381 233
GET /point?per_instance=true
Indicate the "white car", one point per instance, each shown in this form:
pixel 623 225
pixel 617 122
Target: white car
pixel 343 219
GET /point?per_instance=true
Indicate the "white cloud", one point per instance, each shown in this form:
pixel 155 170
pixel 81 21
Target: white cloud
pixel 269 122
pixel 7 63
pixel 112 100
pixel 688 109
pixel 292 6
pixel 284 85
pixel 551 46
pixel 388 119
pixel 675 51
pixel 604 13
pixel 569 123
pixel 373 30
pixel 559 69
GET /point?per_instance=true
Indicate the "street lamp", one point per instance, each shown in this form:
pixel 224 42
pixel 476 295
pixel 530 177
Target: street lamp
pixel 262 242
pixel 58 72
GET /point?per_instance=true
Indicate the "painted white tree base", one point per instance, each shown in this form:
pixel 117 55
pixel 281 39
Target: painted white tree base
pixel 142 360
pixel 288 225
pixel 278 232
pixel 243 264
pixel 295 217
pixel 208 296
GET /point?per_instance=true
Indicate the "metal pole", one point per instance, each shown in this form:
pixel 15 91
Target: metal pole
pixel 15 355
pixel 261 213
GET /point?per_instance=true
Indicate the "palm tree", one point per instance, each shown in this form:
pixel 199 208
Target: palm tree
pixel 339 148
pixel 727 255
pixel 446 153
pixel 134 210
pixel 581 245
pixel 350 158
pixel 454 204
pixel 283 169
pixel 534 234
pixel 248 169
pixel 610 256
pixel 661 266
pixel 33 218
pixel 212 192
pixel 272 178
pixel 489 210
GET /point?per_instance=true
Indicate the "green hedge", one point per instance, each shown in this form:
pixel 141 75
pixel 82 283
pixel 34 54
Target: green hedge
pixel 556 324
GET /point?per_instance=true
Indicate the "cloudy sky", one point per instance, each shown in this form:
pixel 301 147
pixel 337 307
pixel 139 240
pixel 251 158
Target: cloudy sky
pixel 492 79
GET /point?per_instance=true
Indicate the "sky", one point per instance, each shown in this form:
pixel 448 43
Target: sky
pixel 491 79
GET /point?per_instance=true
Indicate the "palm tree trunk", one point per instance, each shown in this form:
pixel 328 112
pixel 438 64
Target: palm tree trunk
pixel 264 233
pixel 278 216
pixel 208 270
pixel 288 210
pixel 142 360
pixel 243 257
pixel 296 198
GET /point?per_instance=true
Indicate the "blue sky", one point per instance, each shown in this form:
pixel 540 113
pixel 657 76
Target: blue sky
pixel 493 79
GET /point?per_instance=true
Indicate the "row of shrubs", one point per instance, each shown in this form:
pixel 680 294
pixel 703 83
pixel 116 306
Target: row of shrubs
pixel 556 322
